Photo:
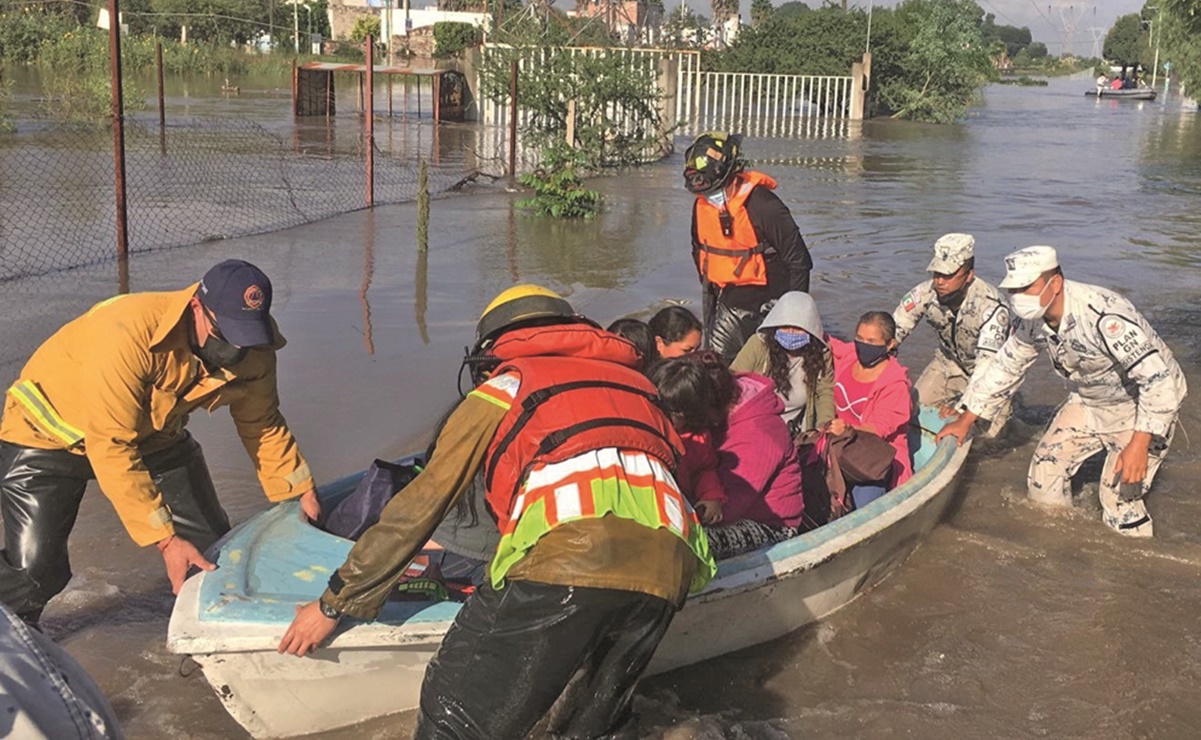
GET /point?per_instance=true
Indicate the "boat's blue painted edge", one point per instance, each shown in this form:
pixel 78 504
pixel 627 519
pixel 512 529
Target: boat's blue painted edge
pixel 299 558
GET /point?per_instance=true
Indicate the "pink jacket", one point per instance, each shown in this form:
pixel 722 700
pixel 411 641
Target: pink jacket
pixel 756 459
pixel 888 407
pixel 697 469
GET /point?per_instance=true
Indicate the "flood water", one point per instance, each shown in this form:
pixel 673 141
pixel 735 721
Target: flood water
pixel 1007 622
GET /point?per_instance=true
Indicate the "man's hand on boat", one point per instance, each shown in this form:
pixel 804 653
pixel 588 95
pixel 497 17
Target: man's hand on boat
pixel 308 630
pixel 179 555
pixel 310 507
pixel 958 428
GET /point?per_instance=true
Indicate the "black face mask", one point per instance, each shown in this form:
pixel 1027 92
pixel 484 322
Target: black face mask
pixel 216 353
pixel 954 299
pixel 870 354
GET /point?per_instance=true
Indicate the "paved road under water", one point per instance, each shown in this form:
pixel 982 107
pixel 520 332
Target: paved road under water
pixel 1007 622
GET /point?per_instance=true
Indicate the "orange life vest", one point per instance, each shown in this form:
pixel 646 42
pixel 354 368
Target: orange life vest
pixel 736 259
pixel 579 392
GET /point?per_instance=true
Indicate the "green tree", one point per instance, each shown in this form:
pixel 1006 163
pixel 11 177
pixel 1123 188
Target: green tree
pixel 723 10
pixel 761 12
pixel 367 25
pixel 213 21
pixel 791 8
pixel 1124 42
pixel 945 64
pixel 1037 50
pixel 1180 44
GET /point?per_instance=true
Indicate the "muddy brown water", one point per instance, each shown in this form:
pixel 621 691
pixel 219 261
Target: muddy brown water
pixel 1007 622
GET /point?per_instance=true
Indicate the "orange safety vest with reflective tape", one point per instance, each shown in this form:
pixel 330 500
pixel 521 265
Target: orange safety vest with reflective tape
pixel 579 394
pixel 728 251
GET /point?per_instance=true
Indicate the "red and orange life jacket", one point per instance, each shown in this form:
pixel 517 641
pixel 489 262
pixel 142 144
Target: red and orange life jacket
pixel 579 392
pixel 736 259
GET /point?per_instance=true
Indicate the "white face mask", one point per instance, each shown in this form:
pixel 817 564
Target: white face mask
pixel 1029 307
pixel 717 199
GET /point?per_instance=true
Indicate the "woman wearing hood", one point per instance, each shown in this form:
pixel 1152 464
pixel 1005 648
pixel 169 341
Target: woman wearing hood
pixel 792 349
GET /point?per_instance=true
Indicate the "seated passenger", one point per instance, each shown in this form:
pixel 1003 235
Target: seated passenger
pixel 638 334
pixel 757 464
pixel 677 331
pixel 791 349
pixel 871 393
pixel 696 402
pixel 1116 83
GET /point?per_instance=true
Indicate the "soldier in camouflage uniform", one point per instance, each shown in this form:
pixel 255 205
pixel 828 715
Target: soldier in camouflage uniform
pixel 1126 395
pixel 970 317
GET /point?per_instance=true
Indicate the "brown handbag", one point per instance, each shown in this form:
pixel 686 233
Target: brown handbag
pixel 831 466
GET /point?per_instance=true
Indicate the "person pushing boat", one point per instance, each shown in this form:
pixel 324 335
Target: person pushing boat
pixel 598 547
pixel 1127 391
pixel 108 396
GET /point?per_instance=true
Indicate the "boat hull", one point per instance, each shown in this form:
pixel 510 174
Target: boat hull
pixel 1141 93
pixel 375 669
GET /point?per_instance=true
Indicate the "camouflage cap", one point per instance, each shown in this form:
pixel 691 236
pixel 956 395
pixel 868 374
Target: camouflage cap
pixel 950 252
pixel 1024 267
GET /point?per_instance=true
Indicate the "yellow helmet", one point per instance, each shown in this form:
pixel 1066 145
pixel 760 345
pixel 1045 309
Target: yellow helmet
pixel 519 304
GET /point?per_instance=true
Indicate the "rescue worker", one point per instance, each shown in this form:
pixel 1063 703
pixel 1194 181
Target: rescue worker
pixel 746 245
pixel 107 397
pixel 598 547
pixel 1126 395
pixel 970 317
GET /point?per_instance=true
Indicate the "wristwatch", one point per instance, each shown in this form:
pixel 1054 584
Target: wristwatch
pixel 328 611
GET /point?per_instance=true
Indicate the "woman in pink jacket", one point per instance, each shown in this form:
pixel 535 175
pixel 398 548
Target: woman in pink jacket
pixel 757 466
pixel 871 393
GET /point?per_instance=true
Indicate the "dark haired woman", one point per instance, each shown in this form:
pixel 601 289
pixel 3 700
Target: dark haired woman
pixel 791 348
pixel 677 331
pixel 871 393
pixel 638 334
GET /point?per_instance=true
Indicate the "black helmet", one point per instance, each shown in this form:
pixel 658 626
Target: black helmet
pixel 711 161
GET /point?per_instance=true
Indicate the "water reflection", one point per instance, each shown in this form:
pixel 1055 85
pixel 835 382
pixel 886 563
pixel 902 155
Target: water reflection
pixel 365 285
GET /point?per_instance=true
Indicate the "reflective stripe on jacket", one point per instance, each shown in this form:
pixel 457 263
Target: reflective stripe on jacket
pixel 120 381
pixel 557 455
pixel 733 255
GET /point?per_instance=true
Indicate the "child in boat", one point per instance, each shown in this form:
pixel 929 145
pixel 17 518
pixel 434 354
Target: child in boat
pixel 756 461
pixel 696 406
pixel 872 394
pixel 639 335
pixel 677 331
pixel 791 349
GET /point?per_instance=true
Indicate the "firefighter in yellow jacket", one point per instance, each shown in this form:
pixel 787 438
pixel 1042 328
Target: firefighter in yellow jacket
pixel 746 245
pixel 108 396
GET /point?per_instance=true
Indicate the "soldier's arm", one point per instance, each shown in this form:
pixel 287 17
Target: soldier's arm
pixel 990 387
pixel 912 308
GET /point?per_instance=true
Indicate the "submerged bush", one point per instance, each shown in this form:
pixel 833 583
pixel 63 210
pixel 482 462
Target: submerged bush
pixel 559 191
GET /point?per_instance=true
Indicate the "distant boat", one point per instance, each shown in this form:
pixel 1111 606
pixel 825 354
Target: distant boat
pixel 1136 93
pixel 230 88
pixel 232 619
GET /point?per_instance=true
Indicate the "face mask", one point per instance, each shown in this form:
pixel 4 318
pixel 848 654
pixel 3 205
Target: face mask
pixel 791 340
pixel 218 354
pixel 1029 307
pixel 954 299
pixel 717 198
pixel 870 354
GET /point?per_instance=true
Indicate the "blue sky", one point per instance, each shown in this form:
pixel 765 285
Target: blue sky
pixel 1047 19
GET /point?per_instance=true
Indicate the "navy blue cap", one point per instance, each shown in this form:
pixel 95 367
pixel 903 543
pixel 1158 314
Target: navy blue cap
pixel 239 295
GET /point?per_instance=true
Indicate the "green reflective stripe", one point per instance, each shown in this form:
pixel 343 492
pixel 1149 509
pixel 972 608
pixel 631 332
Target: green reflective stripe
pixel 610 495
pixel 28 395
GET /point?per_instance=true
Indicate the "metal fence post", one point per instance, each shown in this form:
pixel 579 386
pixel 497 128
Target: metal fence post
pixel 513 119
pixel 114 63
pixel 369 112
pixel 162 114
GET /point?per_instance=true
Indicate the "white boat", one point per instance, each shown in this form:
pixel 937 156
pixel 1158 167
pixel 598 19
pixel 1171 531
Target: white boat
pixel 231 620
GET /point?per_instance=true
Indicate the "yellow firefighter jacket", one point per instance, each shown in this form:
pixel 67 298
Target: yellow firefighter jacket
pixel 120 381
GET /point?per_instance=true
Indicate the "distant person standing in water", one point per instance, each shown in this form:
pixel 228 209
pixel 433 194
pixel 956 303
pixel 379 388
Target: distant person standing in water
pixel 746 245
pixel 1127 387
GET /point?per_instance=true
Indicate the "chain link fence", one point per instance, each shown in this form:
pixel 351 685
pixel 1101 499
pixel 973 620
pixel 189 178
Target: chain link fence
pixel 195 181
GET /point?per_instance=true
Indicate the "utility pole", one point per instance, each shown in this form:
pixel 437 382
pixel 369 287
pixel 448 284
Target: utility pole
pixel 296 26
